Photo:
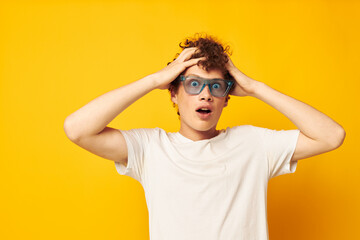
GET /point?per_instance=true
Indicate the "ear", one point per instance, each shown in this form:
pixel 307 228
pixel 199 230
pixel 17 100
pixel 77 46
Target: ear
pixel 226 100
pixel 174 97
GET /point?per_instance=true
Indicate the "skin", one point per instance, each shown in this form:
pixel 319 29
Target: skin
pixel 191 125
pixel 318 132
pixel 87 127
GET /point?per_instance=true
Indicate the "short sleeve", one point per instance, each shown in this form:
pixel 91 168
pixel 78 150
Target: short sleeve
pixel 137 141
pixel 279 147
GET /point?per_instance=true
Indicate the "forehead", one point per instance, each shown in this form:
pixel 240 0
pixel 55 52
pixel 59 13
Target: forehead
pixel 199 71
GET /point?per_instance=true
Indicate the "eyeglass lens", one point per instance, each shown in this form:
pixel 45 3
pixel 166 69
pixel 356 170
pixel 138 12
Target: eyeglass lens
pixel 194 85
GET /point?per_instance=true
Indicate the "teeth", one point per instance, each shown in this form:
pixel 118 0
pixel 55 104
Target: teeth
pixel 203 110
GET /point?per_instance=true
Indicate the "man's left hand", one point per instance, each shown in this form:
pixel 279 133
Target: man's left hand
pixel 244 85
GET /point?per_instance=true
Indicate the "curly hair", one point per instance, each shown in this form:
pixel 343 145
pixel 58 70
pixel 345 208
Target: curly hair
pixel 210 48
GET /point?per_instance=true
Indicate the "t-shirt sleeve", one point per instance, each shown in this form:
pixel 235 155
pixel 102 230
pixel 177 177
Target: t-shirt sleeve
pixel 137 141
pixel 279 147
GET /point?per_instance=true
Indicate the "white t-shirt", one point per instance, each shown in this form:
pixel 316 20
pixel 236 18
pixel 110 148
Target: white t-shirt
pixel 213 189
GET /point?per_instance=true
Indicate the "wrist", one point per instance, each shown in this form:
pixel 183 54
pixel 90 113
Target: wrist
pixel 158 80
pixel 258 88
pixel 151 81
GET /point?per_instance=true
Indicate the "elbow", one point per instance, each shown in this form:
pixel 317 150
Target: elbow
pixel 69 130
pixel 339 138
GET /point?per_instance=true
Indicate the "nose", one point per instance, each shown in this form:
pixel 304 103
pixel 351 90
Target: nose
pixel 205 94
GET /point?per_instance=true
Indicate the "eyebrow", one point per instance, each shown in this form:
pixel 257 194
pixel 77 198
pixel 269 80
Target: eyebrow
pixel 191 74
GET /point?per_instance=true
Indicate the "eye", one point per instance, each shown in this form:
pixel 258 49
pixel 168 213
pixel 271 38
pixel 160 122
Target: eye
pixel 216 86
pixel 194 83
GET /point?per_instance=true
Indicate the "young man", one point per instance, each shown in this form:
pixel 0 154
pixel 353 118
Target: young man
pixel 200 182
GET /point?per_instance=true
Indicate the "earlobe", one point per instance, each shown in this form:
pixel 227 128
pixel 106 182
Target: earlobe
pixel 173 97
pixel 226 101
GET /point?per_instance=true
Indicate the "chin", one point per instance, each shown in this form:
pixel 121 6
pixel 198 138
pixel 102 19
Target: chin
pixel 198 124
pixel 204 127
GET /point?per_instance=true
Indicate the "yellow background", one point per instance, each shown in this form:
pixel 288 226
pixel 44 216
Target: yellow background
pixel 56 56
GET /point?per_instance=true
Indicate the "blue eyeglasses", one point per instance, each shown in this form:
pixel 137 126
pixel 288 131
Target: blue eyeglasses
pixel 218 87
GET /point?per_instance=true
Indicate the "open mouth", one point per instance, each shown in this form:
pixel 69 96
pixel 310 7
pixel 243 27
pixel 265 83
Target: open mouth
pixel 203 110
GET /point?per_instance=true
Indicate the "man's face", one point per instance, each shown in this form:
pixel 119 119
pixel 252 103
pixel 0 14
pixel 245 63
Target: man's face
pixel 191 118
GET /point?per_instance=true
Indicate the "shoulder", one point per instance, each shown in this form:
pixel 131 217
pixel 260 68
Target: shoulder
pixel 255 133
pixel 143 133
pixel 240 129
pixel 242 132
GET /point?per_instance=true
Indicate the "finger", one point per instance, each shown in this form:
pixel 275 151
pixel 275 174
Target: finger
pixel 193 61
pixel 189 49
pixel 186 53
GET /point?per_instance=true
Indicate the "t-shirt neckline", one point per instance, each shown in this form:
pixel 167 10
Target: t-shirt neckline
pixel 182 139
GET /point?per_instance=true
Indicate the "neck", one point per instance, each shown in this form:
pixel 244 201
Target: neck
pixel 198 135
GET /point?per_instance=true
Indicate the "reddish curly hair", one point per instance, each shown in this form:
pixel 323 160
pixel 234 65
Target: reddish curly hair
pixel 209 47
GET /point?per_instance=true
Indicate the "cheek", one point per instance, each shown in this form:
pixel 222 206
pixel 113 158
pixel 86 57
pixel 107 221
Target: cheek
pixel 186 104
pixel 220 106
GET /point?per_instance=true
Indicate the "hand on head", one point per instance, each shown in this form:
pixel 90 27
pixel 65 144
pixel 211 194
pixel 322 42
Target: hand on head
pixel 244 85
pixel 166 75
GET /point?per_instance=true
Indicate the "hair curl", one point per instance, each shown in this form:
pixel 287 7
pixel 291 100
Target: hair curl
pixel 210 48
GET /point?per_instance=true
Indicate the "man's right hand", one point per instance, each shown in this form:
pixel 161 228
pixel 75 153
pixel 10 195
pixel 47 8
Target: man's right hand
pixel 168 74
pixel 87 126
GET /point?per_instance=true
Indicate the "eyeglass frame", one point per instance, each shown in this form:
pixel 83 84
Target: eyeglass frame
pixel 207 82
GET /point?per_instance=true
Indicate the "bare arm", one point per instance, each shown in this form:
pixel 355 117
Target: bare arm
pixel 92 118
pixel 87 127
pixel 318 132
